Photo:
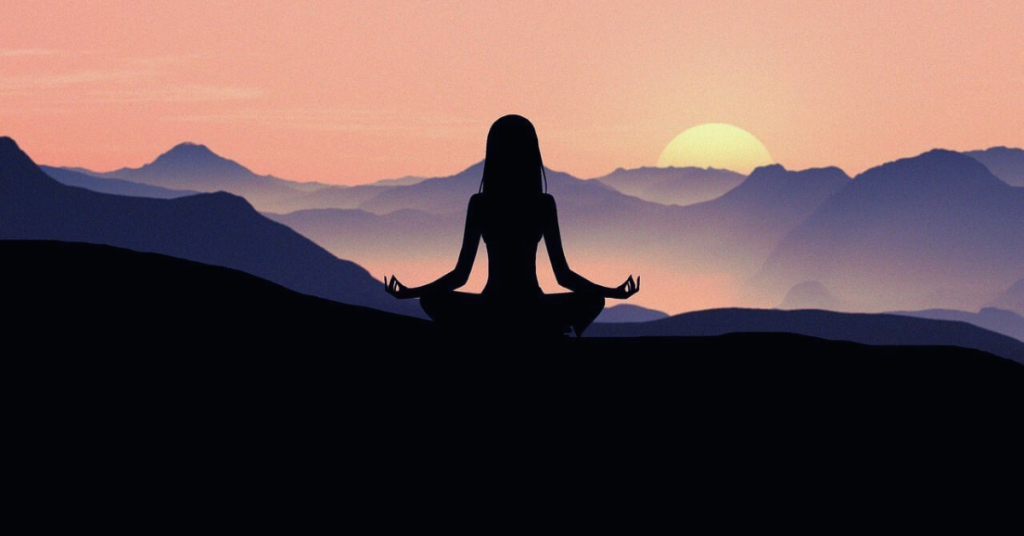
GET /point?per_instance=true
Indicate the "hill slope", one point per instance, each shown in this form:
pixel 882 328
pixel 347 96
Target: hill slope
pixel 191 166
pixel 219 229
pixel 934 231
pixel 1004 162
pixel 876 329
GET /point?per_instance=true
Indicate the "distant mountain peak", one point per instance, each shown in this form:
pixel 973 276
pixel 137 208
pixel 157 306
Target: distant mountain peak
pixel 190 150
pixel 770 169
pixel 189 158
pixel 934 167
pixel 774 173
pixel 191 146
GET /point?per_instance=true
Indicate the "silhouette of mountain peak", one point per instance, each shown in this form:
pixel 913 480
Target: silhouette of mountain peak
pixel 189 147
pixel 7 144
pixel 191 157
pixel 775 175
pixel 770 169
pixel 935 168
pixel 17 169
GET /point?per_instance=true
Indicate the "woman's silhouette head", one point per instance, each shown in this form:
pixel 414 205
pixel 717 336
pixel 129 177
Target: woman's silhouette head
pixel 512 165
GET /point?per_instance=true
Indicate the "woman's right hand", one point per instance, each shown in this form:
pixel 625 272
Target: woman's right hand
pixel 396 288
pixel 625 290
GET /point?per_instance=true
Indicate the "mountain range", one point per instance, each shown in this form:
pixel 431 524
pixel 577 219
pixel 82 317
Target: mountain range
pixel 1007 163
pixel 740 248
pixel 673 186
pixel 935 231
pixel 194 167
pixel 864 328
pixel 220 229
pixel 416 230
pixel 89 181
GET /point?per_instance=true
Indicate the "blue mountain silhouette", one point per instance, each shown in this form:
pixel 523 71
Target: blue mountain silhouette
pixel 1007 163
pixel 934 231
pixel 192 166
pixel 997 320
pixel 625 312
pixel 219 229
pixel 91 181
pixel 864 328
pixel 673 186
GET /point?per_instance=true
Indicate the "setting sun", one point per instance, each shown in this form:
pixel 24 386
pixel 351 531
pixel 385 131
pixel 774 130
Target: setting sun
pixel 715 145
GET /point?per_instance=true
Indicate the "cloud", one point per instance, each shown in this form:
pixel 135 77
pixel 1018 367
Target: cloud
pixel 134 80
pixel 340 120
pixel 36 82
pixel 183 93
pixel 26 52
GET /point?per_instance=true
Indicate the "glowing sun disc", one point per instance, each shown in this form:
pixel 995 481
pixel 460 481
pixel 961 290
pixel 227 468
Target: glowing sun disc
pixel 716 145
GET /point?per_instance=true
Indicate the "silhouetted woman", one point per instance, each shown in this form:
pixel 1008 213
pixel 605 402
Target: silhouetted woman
pixel 512 213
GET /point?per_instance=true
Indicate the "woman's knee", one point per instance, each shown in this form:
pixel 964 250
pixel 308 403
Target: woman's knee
pixel 433 303
pixel 593 303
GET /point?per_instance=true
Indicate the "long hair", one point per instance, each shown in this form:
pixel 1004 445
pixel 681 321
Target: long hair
pixel 512 165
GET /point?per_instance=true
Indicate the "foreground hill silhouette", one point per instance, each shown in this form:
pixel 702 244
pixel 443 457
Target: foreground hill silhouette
pixel 119 300
pixel 219 229
pixel 159 376
pixel 877 329
pixel 116 301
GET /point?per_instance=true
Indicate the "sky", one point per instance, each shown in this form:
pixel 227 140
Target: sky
pixel 352 92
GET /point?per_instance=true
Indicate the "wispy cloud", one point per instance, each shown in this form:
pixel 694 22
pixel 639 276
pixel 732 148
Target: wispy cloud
pixel 340 120
pixel 183 93
pixel 26 52
pixel 150 79
pixel 60 80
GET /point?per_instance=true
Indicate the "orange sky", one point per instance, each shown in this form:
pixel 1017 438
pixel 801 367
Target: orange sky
pixel 351 92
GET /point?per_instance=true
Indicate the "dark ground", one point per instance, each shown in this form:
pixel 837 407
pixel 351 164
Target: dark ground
pixel 220 391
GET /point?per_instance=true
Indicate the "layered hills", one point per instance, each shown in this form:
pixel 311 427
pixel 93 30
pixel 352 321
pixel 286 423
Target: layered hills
pixel 935 231
pixel 917 234
pixel 1007 163
pixel 219 229
pixel 416 230
pixel 873 329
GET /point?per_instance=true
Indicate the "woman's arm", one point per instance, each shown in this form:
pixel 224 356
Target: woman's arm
pixel 458 276
pixel 565 276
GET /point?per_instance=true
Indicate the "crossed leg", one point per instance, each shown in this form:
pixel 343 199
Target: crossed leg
pixel 543 315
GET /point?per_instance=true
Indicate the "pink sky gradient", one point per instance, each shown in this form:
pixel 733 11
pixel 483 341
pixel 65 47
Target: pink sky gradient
pixel 351 92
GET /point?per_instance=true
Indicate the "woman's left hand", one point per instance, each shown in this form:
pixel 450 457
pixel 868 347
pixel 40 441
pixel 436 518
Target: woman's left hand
pixel 627 289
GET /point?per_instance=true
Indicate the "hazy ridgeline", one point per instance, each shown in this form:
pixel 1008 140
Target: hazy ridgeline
pixel 938 230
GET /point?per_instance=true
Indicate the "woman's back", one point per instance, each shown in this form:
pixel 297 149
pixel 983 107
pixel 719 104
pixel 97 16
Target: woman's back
pixel 511 230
